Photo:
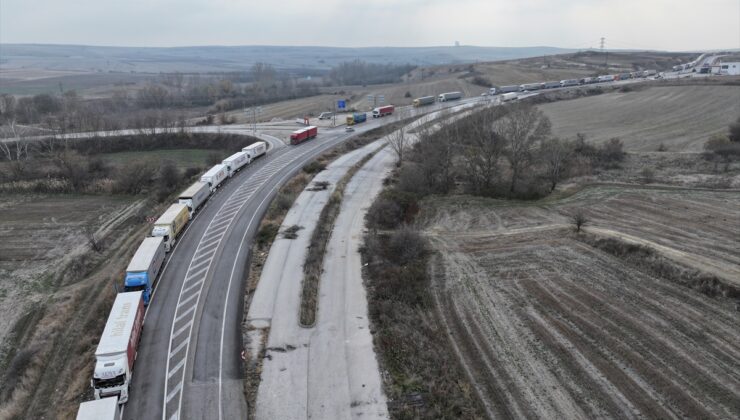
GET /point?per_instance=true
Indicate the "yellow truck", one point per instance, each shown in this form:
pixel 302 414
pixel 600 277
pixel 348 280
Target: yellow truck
pixel 171 223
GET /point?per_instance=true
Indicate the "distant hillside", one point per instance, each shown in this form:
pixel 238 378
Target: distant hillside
pixel 80 58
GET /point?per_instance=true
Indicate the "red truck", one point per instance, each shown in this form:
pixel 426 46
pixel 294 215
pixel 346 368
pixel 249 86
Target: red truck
pixel 383 111
pixel 299 136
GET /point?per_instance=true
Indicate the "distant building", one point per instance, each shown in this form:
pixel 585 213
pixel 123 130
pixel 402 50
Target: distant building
pixel 730 69
pixel 457 43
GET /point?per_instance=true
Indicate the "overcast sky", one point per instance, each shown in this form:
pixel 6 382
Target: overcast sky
pixel 633 24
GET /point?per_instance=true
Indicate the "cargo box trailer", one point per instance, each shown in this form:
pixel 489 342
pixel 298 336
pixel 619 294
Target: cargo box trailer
pixel 551 85
pixel 102 409
pixel 299 136
pixel 507 89
pixel 449 96
pixel 382 111
pixel 195 196
pixel 171 223
pixel 215 176
pixel 255 150
pixel 116 352
pixel 530 86
pixel 235 162
pixel 424 100
pixel 510 96
pixel 569 82
pixel 142 271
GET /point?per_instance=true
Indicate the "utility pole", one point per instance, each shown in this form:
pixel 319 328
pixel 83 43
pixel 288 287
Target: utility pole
pixel 606 54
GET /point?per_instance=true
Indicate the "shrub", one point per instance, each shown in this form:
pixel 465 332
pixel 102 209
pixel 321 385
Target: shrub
pixel 384 214
pixel 314 167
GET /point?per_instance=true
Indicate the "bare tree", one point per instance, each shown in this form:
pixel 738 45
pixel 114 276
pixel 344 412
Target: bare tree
pixel 556 155
pixel 483 150
pixel 522 129
pixel 399 142
pixel 579 220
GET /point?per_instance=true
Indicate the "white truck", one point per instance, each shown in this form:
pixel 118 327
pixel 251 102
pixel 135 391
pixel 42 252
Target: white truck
pixel 449 96
pixel 510 96
pixel 215 176
pixel 530 86
pixel 235 162
pixel 195 196
pixel 144 267
pixel 102 409
pixel 255 150
pixel 116 352
pixel 569 82
pixel 171 223
pixel 606 78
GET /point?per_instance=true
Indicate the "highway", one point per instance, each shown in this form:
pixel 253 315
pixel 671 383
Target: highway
pixel 188 362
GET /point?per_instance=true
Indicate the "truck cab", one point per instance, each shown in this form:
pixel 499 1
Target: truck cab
pixel 111 377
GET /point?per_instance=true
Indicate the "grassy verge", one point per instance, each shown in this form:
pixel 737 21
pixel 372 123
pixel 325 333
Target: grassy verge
pixel 314 264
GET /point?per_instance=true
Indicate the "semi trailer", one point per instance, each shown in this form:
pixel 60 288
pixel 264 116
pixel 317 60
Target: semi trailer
pixel 569 82
pixel 529 86
pixel 510 96
pixel 142 271
pixel 299 136
pixel 116 352
pixel 382 111
pixel 550 85
pixel 102 409
pixel 507 89
pixel 356 118
pixel 449 96
pixel 424 100
pixel 235 162
pixel 170 224
pixel 215 176
pixel 195 196
pixel 255 150
pixel 606 78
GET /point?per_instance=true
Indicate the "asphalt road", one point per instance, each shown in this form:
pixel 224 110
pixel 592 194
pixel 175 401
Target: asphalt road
pixel 188 361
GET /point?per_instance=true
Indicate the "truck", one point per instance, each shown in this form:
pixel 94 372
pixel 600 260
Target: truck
pixel 382 111
pixel 648 73
pixel 356 118
pixel 116 352
pixel 623 76
pixel 424 100
pixel 569 82
pixel 255 150
pixel 215 176
pixel 142 271
pixel 529 86
pixel 102 409
pixel 509 96
pixel 551 85
pixel 299 136
pixel 588 80
pixel 507 89
pixel 449 96
pixel 170 224
pixel 493 91
pixel 606 78
pixel 235 162
pixel 195 196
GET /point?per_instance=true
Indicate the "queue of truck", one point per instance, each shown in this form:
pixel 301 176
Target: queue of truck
pixel 116 351
pixel 529 87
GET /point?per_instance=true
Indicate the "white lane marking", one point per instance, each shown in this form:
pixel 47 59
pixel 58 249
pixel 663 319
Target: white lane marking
pixel 172 394
pixel 178 348
pixel 188 299
pixel 176 368
pixel 206 261
pixel 182 315
pixel 195 274
pixel 181 330
pixel 192 286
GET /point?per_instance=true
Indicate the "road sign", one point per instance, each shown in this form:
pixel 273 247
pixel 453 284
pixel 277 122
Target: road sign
pixel 381 98
pixel 341 104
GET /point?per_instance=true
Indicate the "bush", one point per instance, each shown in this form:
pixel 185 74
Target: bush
pixel 384 214
pixel 314 167
pixel 481 81
pixel 611 153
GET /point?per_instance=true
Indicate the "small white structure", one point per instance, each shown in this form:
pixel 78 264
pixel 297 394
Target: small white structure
pixel 729 69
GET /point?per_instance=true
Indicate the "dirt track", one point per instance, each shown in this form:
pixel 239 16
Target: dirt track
pixel 553 328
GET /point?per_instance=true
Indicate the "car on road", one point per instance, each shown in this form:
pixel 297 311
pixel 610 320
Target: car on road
pixel 326 115
pixel 349 129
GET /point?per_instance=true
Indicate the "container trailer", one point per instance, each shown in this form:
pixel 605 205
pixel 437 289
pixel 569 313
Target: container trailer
pixel 507 89
pixel 102 409
pixel 551 85
pixel 299 136
pixel 144 267
pixel 606 78
pixel 424 100
pixel 215 176
pixel 116 352
pixel 255 150
pixel 195 196
pixel 509 96
pixel 171 223
pixel 382 111
pixel 569 82
pixel 449 96
pixel 235 162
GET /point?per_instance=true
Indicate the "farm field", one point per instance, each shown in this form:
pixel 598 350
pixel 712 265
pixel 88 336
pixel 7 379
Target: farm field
pixel 552 327
pixel 680 117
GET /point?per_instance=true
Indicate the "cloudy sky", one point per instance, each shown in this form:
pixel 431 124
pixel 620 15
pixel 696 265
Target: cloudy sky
pixel 632 24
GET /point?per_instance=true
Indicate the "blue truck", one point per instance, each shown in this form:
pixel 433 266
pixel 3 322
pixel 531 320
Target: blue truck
pixel 144 267
pixel 357 117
